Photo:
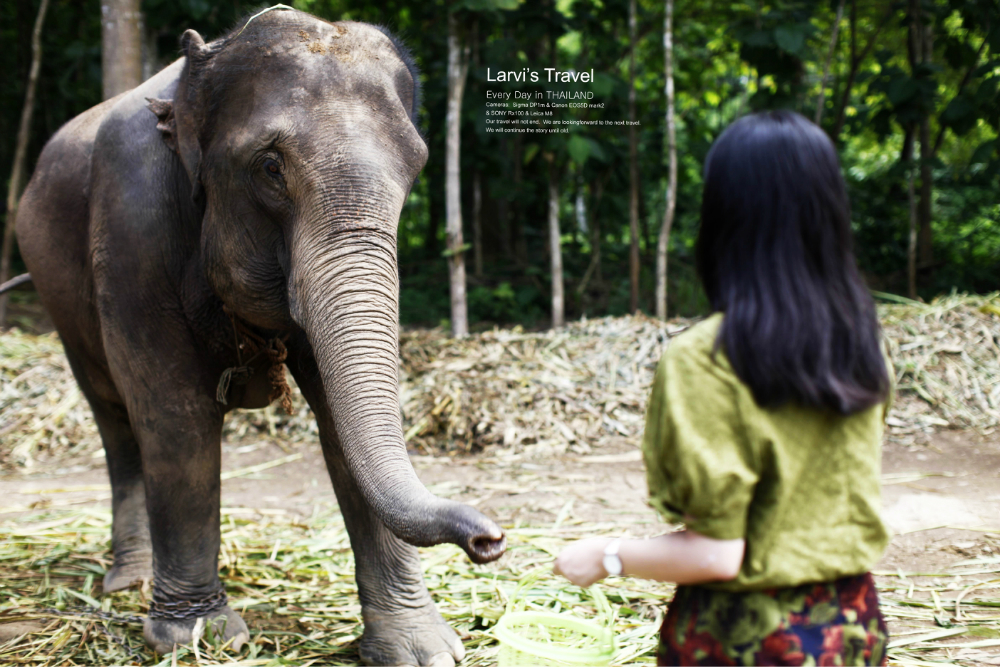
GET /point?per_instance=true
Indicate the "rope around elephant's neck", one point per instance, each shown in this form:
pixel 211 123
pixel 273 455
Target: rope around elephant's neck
pixel 256 345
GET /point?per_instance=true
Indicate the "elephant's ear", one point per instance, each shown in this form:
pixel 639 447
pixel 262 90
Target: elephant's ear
pixel 188 107
pixel 165 122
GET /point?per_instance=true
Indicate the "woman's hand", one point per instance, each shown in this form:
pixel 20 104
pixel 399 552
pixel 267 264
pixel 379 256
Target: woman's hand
pixel 583 561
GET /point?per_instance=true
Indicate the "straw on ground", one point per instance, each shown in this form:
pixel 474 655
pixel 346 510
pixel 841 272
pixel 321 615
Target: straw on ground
pixel 293 581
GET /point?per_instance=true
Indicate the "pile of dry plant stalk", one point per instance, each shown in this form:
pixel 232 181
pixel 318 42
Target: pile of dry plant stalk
pixel 577 388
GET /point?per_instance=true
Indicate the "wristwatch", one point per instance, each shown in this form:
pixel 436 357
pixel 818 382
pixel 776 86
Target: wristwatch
pixel 612 562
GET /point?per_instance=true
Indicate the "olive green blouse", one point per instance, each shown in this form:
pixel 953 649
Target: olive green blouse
pixel 800 485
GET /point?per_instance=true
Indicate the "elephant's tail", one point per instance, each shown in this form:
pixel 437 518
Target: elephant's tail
pixel 14 282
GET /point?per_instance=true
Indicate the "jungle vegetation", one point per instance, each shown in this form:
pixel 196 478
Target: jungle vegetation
pixel 907 90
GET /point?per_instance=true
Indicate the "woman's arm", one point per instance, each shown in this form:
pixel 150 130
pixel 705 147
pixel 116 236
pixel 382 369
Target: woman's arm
pixel 685 558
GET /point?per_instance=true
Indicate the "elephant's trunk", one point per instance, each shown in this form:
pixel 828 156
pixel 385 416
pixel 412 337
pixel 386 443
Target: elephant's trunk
pixel 344 293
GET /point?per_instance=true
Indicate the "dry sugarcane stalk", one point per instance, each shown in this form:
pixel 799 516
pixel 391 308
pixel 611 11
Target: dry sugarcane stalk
pixel 514 389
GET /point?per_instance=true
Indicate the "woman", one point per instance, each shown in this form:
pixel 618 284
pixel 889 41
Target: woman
pixel 764 426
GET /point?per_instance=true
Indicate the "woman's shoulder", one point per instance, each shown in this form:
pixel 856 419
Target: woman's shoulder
pixel 693 362
pixel 694 351
pixel 699 337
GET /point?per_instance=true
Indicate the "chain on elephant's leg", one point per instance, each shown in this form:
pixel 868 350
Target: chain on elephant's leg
pixel 181 457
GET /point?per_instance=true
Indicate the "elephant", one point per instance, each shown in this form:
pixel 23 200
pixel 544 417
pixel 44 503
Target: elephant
pixel 232 215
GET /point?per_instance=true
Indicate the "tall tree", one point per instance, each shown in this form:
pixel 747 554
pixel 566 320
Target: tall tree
pixel 121 46
pixel 593 271
pixel 518 239
pixel 855 62
pixel 915 54
pixel 21 154
pixel 663 242
pixel 458 68
pixel 924 235
pixel 820 103
pixel 911 198
pixel 477 185
pixel 555 237
pixel 633 167
pixel 555 245
pixel 477 221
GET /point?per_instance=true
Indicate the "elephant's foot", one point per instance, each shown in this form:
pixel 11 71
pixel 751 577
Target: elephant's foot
pixel 221 625
pixel 135 568
pixel 418 637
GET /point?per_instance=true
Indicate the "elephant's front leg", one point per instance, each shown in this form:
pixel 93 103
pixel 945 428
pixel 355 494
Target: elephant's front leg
pixel 179 435
pixel 402 625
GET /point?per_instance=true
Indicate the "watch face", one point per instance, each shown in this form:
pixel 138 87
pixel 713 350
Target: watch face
pixel 613 564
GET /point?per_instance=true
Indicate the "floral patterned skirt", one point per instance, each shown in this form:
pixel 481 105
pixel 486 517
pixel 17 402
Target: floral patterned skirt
pixel 835 623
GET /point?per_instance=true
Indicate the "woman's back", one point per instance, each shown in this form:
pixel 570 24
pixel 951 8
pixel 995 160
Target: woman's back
pixel 800 484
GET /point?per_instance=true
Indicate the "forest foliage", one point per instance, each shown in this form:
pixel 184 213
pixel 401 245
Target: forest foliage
pixel 911 92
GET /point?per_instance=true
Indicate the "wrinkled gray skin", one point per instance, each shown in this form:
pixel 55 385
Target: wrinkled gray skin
pixel 270 180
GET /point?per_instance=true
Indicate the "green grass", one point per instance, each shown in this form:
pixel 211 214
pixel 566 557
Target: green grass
pixel 293 582
pixel 292 579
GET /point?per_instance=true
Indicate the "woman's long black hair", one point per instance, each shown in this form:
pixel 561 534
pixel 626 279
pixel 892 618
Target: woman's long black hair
pixel 774 253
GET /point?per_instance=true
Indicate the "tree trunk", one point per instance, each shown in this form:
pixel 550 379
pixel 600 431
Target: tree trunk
pixel 21 154
pixel 925 239
pixel 826 66
pixel 852 73
pixel 555 247
pixel 503 204
pixel 593 271
pixel 925 247
pixel 150 53
pixel 436 188
pixel 477 186
pixel 663 242
pixel 914 48
pixel 121 46
pixel 911 245
pixel 595 230
pixel 458 65
pixel 477 221
pixel 517 224
pixel 555 238
pixel 855 63
pixel 633 168
pixel 580 204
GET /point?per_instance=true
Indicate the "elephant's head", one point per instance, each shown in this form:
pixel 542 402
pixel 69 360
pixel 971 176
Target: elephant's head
pixel 299 140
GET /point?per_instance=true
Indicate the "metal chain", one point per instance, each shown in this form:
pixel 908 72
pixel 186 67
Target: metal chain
pixel 186 609
pixel 177 611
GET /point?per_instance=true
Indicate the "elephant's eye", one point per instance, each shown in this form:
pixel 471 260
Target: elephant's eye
pixel 272 167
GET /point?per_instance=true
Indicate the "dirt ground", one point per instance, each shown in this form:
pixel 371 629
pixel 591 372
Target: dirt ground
pixel 941 499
